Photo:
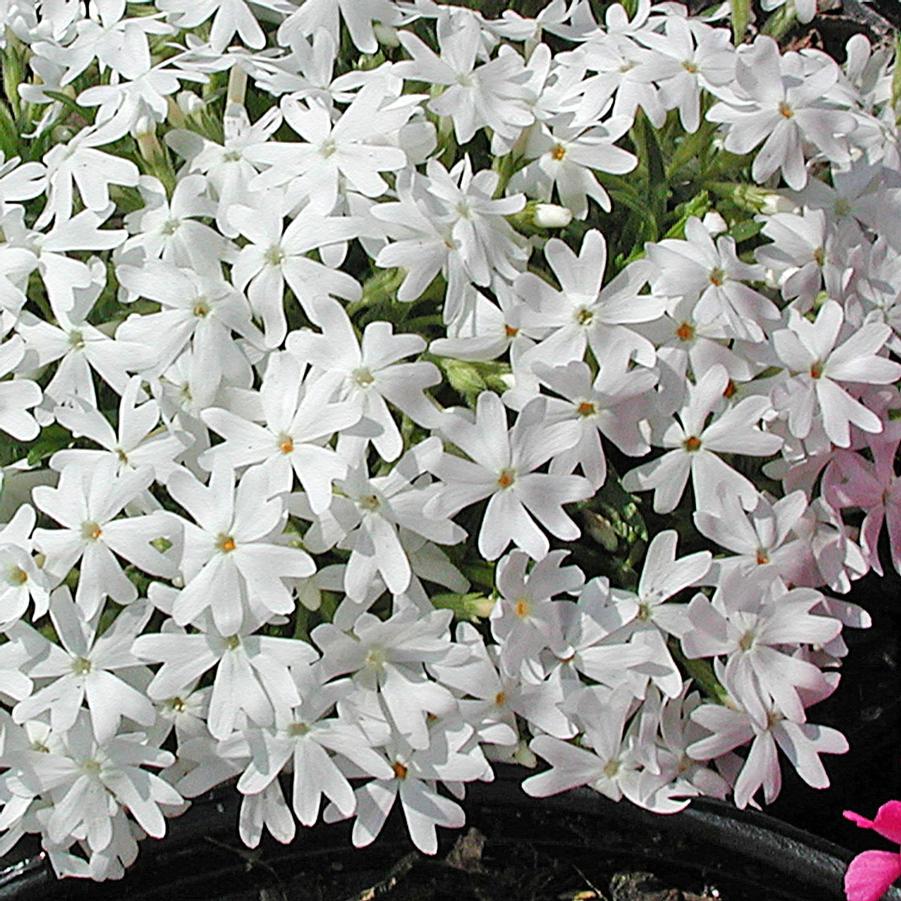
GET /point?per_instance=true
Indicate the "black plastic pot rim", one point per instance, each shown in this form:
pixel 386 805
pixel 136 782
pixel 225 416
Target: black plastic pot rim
pixel 783 854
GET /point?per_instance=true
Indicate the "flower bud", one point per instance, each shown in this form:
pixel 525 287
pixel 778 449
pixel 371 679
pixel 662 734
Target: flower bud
pixel 237 85
pixel 714 223
pixel 550 215
pixel 385 35
pixel 144 132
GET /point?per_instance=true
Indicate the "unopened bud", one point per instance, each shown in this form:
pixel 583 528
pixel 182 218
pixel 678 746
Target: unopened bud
pixel 189 103
pixel 237 85
pixel 144 133
pixel 536 215
pixel 551 215
pixel 385 35
pixel 714 223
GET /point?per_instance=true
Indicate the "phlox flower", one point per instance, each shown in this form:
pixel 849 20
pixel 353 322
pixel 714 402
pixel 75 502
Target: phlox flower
pixel 695 443
pixel 566 158
pixel 492 94
pixel 358 16
pixel 802 743
pixel 231 17
pixel 17 395
pixel 610 405
pixel 502 467
pixel 86 503
pixel 582 314
pixel 21 580
pixel 252 675
pixel 84 668
pixel 276 255
pixel 653 620
pixel 370 515
pixel 874 487
pixel 777 102
pixel 388 657
pixel 759 536
pixel 524 619
pixel 715 276
pixel 233 564
pixel 415 775
pixel 818 370
pixel 871 873
pixel 169 229
pixel 301 417
pixel 755 622
pixel 335 154
pixel 136 443
pixel 314 742
pixel 368 372
pixel 90 782
pixel 688 57
pixel 196 310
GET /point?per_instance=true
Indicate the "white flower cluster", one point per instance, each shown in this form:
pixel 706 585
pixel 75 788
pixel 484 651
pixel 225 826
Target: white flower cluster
pixel 294 378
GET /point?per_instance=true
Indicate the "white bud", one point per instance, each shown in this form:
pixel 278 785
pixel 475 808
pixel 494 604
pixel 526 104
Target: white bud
pixel 777 203
pixel 144 125
pixel 714 223
pixel 385 35
pixel 550 215
pixel 189 103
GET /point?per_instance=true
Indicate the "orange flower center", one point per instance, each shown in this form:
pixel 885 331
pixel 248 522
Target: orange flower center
pixel 692 443
pixel 685 332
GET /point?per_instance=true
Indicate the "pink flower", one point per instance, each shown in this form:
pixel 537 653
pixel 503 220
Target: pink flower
pixel 871 873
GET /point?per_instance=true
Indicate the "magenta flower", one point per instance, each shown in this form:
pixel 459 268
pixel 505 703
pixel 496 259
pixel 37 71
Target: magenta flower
pixel 871 873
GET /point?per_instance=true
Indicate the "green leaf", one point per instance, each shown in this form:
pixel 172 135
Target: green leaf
pixel 52 438
pixel 745 230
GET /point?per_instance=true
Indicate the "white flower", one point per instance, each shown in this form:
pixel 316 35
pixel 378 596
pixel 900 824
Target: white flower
pixel 369 515
pixel 90 782
pixel 491 95
pixel 524 619
pixel 252 671
pixel 312 741
pixel 582 314
pixel 389 657
pixel 301 417
pixel 695 443
pixel 415 774
pixel 90 169
pixel 359 16
pixel 86 503
pixel 818 368
pixel 275 256
pixel 344 152
pixel 688 56
pixel 566 157
pixel 802 744
pixel 759 536
pixel 197 311
pixel 168 229
pixel 136 443
pixel 713 274
pixel 21 580
pixel 777 102
pixel 231 564
pixel 756 622
pixel 232 17
pixel 503 468
pixel 17 395
pixel 369 374
pixel 83 668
